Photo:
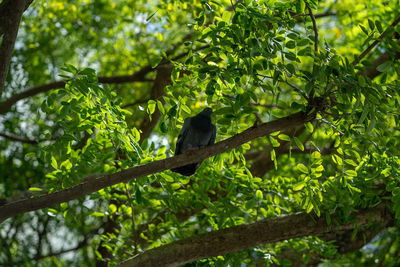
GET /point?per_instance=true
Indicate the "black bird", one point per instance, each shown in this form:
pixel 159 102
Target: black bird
pixel 196 132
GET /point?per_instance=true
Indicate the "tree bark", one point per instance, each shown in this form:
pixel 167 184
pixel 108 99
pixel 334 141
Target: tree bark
pixel 245 236
pixel 11 13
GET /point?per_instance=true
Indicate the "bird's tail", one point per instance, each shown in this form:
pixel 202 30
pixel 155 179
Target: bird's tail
pixel 187 170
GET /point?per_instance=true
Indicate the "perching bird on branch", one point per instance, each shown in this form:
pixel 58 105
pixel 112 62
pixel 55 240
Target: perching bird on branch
pixel 197 132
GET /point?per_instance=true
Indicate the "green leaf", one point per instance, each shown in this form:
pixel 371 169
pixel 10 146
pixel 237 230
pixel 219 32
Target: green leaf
pixel 274 142
pixel 315 155
pixel 136 134
pixel 226 16
pixel 185 108
pixel 163 127
pixel 200 20
pixel 168 178
pixel 297 106
pixel 149 17
pixel 363 114
pixel 273 156
pixel 67 165
pixel 284 137
pixel 210 90
pixel 290 68
pixel 379 26
pixel 371 24
pixel 309 127
pixel 175 186
pixel 112 208
pixel 351 162
pixel 302 6
pixel 54 162
pixel 291 44
pixel 35 189
pixel 292 36
pixel 259 195
pixel 351 173
pixel 310 207
pixel 363 29
pixel 301 167
pixel 328 219
pixel 138 195
pixel 361 81
pixel 160 107
pixel 384 66
pixel 299 186
pixel 151 107
pixel 299 143
pixel 371 125
pixel 155 61
pixel 275 78
pixel 320 168
pixel 69 68
pixel 98 214
pixel 317 210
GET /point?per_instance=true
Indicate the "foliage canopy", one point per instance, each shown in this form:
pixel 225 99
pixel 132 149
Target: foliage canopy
pixel 306 97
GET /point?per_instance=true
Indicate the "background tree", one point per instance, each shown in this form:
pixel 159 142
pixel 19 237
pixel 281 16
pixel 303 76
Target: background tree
pixel 306 165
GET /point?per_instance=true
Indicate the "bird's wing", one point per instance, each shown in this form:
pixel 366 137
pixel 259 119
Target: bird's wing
pixel 213 135
pixel 182 136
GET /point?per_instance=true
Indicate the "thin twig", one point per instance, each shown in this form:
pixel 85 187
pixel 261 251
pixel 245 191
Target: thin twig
pixel 137 102
pixel 314 28
pixel 17 138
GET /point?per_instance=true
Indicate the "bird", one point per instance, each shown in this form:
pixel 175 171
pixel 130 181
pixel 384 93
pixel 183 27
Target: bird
pixel 196 132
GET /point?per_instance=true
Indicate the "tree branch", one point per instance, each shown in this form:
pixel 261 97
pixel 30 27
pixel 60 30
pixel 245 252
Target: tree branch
pixel 377 41
pixel 138 76
pixel 11 11
pixel 245 236
pixel 93 185
pixel 134 103
pixel 371 71
pixel 18 138
pixel 314 23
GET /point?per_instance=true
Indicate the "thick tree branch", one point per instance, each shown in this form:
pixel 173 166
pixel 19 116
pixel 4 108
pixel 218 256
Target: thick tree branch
pixel 344 240
pixel 138 76
pixel 245 236
pixel 11 13
pixel 94 185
